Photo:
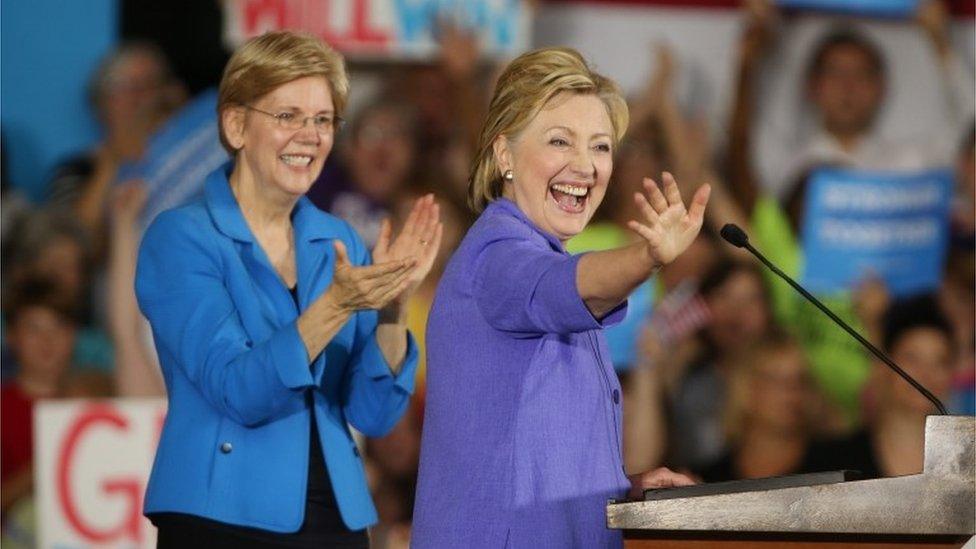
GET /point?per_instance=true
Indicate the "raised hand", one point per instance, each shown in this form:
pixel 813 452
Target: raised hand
pixel 371 287
pixel 419 240
pixel 933 17
pixel 665 68
pixel 761 22
pixel 128 200
pixel 668 228
pixel 459 50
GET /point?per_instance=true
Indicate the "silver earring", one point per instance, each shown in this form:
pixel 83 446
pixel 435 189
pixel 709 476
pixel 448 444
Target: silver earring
pixel 509 175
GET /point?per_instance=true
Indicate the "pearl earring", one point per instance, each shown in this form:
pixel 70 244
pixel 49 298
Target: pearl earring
pixel 509 175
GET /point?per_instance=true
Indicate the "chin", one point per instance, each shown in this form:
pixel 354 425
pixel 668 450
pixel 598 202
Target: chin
pixel 297 184
pixel 296 188
pixel 566 229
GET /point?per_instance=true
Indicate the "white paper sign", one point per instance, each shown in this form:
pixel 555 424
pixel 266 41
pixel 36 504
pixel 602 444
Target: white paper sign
pixel 92 461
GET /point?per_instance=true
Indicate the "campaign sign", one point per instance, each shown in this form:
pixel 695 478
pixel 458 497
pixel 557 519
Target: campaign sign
pixel 883 8
pixel 92 460
pixel 179 156
pixel 891 225
pixel 388 29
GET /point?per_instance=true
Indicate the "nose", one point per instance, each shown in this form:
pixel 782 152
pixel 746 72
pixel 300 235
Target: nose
pixel 582 163
pixel 307 133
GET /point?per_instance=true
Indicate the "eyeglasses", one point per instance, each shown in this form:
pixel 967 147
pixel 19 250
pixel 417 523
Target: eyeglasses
pixel 323 123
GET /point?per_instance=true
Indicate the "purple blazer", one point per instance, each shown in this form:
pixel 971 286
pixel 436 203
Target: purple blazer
pixel 522 430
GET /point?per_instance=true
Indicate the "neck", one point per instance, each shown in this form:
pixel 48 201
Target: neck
pixel 38 386
pixel 848 140
pixel 261 204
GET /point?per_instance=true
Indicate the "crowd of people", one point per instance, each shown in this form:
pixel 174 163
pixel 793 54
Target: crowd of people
pixel 725 372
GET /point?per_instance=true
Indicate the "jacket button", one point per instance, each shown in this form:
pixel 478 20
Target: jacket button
pixel 616 396
pixel 226 447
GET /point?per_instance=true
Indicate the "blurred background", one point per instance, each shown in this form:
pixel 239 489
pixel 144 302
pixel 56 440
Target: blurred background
pixel 839 134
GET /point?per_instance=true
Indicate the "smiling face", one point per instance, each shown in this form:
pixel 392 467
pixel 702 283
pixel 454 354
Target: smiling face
pixel 279 160
pixel 561 163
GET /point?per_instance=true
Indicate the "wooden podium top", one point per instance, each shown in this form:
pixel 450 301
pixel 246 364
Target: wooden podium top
pixel 937 502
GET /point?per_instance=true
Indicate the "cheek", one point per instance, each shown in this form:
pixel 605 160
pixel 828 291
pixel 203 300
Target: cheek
pixel 755 316
pixel 541 165
pixel 604 167
pixel 325 148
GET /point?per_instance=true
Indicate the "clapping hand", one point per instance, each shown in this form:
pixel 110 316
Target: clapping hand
pixel 400 264
pixel 668 228
pixel 419 239
pixel 356 288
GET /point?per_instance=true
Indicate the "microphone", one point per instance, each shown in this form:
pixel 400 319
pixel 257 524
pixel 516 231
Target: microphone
pixel 738 238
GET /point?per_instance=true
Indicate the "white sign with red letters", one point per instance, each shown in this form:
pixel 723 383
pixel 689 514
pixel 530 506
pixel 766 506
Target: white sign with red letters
pixel 92 461
pixel 383 29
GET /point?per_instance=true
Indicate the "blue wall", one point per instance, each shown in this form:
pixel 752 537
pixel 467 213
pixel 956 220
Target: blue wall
pixel 48 49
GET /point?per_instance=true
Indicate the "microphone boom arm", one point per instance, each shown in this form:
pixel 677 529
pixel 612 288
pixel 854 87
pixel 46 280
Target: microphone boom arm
pixel 743 242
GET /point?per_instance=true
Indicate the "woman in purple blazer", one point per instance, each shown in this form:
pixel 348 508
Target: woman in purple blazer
pixel 522 432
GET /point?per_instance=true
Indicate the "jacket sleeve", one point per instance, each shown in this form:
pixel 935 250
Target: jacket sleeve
pixel 523 287
pixel 180 289
pixel 374 398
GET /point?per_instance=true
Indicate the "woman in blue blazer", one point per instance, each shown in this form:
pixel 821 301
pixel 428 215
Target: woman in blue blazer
pixel 274 326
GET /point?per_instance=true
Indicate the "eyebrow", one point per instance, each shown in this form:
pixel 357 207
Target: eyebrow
pixel 571 132
pixel 294 108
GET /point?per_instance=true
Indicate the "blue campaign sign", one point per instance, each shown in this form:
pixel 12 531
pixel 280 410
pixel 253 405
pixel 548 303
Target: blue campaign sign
pixel 885 8
pixel 891 225
pixel 180 155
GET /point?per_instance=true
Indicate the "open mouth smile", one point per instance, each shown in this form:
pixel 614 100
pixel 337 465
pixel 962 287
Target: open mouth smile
pixel 569 197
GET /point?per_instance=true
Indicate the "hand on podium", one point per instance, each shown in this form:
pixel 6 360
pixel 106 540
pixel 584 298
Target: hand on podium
pixel 662 477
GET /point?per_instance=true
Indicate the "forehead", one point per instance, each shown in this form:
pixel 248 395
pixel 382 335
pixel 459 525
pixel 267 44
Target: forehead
pixel 583 114
pixel 922 339
pixel 311 93
pixel 850 54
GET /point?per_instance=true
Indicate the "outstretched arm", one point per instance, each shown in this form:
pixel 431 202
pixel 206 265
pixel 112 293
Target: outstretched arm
pixel 605 279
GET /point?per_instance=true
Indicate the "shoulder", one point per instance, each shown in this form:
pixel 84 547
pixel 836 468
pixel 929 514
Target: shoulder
pixel 185 226
pixel 495 225
pixel 186 218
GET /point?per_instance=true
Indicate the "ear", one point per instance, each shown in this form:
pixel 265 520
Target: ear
pixel 232 122
pixel 502 149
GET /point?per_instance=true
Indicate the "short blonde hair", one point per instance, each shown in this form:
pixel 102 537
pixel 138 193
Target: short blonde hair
pixel 525 87
pixel 276 58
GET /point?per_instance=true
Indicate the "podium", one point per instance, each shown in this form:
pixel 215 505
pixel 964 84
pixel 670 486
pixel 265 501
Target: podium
pixel 932 509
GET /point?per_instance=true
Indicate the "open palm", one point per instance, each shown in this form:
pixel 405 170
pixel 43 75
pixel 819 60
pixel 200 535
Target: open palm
pixel 419 239
pixel 667 227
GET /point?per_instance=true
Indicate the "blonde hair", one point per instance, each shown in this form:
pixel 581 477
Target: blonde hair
pixel 523 90
pixel 276 58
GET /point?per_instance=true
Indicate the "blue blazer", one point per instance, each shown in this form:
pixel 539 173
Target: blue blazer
pixel 235 444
